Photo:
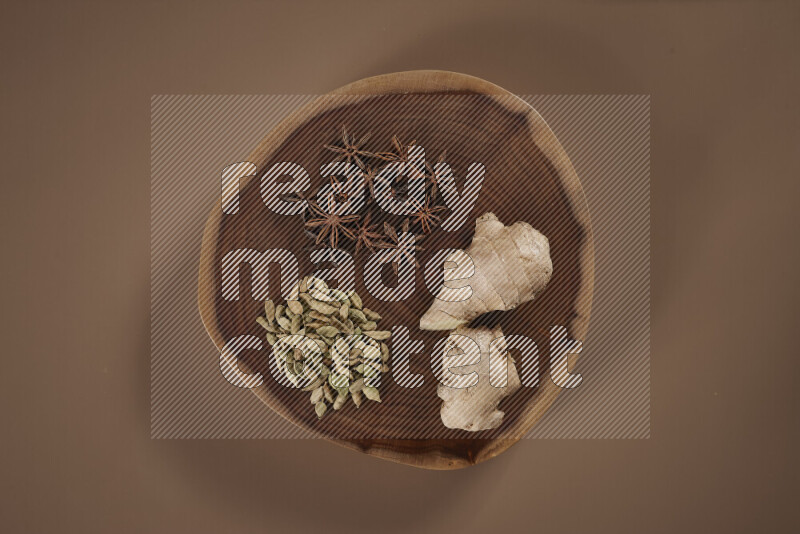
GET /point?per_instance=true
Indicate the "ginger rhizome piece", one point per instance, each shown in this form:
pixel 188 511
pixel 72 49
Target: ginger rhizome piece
pixel 483 377
pixel 512 265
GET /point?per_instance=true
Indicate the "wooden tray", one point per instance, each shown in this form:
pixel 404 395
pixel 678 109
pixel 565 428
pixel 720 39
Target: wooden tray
pixel 528 177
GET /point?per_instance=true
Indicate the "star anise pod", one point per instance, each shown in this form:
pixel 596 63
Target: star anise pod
pixel 400 250
pixel 366 236
pixel 350 149
pixel 425 214
pixel 330 224
pixel 400 151
pixel 370 178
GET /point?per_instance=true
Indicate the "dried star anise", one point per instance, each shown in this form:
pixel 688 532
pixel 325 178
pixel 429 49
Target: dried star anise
pixel 370 176
pixel 351 150
pixel 400 151
pixel 366 229
pixel 425 214
pixel 366 237
pixel 330 224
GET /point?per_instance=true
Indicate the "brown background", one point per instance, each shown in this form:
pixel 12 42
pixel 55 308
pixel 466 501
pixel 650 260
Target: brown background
pixel 76 85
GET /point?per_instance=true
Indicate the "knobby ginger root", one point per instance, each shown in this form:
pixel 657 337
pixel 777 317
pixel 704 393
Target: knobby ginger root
pixel 474 408
pixel 512 265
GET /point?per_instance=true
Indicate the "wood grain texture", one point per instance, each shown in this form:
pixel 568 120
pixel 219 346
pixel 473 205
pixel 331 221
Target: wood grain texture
pixel 529 177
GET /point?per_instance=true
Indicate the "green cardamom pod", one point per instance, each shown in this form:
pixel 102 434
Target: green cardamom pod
pixel 358 385
pixel 317 316
pixel 296 323
pixel 321 307
pixel 371 393
pixel 357 315
pixel 338 297
pixel 357 398
pixel 317 395
pixel 328 392
pixel 295 306
pixel 340 326
pixel 379 335
pixel 327 331
pixel 339 402
pixel 371 315
pixel 269 310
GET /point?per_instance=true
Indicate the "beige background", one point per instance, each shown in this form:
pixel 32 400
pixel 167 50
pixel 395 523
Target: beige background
pixel 76 86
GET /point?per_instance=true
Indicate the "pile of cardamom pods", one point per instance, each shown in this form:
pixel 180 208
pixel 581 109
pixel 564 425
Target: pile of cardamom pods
pixel 352 351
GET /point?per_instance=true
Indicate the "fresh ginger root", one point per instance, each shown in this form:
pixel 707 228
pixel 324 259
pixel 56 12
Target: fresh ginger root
pixel 474 408
pixel 512 265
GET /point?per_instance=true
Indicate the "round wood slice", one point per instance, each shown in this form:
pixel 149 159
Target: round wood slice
pixel 528 178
